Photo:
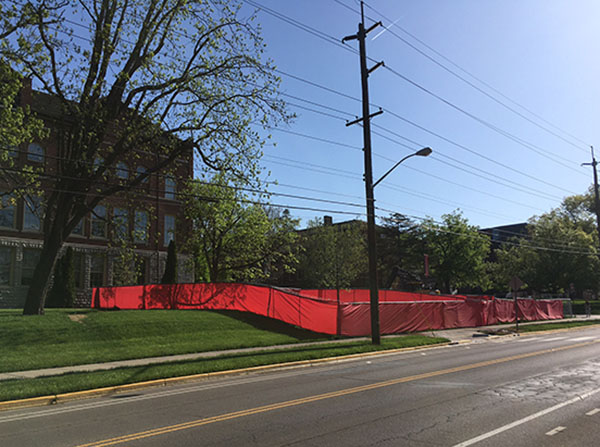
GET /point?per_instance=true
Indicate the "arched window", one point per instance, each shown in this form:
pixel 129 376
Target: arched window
pixel 35 153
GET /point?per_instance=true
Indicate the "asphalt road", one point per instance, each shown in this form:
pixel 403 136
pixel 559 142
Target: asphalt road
pixel 516 391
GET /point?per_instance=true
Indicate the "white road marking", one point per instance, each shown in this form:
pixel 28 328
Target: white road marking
pixel 593 412
pixel 526 419
pixel 553 339
pixel 523 340
pixel 582 338
pixel 556 430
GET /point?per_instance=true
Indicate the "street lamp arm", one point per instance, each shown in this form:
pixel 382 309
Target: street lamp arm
pixel 422 153
pixel 391 169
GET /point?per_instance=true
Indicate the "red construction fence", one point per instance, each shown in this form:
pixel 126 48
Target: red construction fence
pixel 320 311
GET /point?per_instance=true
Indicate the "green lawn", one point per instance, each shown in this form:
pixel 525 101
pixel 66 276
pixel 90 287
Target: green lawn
pixel 20 389
pixel 552 326
pixel 72 337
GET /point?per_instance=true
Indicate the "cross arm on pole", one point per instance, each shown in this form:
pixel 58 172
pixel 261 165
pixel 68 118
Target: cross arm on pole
pixel 358 120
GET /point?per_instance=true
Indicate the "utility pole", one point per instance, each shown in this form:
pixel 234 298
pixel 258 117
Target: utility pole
pixel 366 123
pixel 594 163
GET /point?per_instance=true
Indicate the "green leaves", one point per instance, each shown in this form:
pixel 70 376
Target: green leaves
pixel 334 256
pixel 234 237
pixel 457 252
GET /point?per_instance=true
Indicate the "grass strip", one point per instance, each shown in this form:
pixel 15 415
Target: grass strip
pixel 24 388
pixel 552 326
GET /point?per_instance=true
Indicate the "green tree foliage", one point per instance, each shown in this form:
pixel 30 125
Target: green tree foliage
pixel 62 293
pixel 400 250
pixel 560 250
pixel 457 252
pixel 17 124
pixel 141 80
pixel 334 256
pixel 234 239
pixel 170 275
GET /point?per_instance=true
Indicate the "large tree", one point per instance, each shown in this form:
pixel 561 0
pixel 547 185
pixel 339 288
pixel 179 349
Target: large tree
pixel 334 255
pixel 235 237
pixel 400 250
pixel 17 124
pixel 139 77
pixel 457 252
pixel 560 250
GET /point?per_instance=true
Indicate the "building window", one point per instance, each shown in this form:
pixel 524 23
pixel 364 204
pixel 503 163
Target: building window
pixel 31 257
pixel 122 171
pixel 12 151
pixel 7 257
pixel 169 229
pixel 32 211
pixel 7 212
pixel 140 228
pixel 98 219
pixel 142 170
pixel 78 230
pixel 121 224
pixel 98 162
pixel 169 188
pixel 35 153
pixel 97 270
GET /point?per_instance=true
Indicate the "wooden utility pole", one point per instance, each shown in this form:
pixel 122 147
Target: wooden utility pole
pixel 366 123
pixel 594 163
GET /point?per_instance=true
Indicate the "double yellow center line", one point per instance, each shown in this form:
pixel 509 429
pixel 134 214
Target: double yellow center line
pixel 318 397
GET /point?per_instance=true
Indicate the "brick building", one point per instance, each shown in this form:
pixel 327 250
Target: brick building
pixel 142 221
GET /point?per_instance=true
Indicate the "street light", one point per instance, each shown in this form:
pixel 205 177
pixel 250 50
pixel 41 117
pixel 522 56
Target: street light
pixel 372 245
pixel 421 153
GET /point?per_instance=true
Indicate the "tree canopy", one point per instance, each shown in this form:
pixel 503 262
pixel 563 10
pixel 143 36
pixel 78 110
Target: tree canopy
pixel 138 80
pixel 235 237
pixel 333 256
pixel 457 252
pixel 560 249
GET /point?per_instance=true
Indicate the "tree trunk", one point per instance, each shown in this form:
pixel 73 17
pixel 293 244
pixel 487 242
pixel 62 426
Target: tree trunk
pixel 36 295
pixel 447 286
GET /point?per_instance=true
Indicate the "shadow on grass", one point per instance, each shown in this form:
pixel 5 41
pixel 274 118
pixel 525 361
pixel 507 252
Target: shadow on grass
pixel 272 325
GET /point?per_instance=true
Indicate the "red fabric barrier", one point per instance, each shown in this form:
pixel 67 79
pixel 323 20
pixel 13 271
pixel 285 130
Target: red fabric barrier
pixel 315 310
pixel 363 295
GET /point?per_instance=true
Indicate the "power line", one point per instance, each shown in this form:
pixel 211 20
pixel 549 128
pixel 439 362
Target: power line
pixel 412 123
pixel 393 114
pixel 471 84
pixel 311 137
pixel 349 174
pixel 528 145
pixel 480 236
pixel 478 79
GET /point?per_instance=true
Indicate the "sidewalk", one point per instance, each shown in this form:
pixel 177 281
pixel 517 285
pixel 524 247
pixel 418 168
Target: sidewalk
pixel 454 335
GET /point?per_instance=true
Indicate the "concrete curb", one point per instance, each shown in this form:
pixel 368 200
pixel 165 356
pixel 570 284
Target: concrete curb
pixel 76 395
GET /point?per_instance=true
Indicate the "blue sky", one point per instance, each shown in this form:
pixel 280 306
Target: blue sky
pixel 540 53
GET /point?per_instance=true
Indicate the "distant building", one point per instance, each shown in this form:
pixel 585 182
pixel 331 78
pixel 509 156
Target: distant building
pixel 147 219
pixel 504 235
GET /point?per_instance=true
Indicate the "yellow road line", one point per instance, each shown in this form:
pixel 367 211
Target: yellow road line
pixel 318 397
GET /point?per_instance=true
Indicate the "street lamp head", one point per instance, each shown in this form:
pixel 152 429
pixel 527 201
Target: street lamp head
pixel 424 152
